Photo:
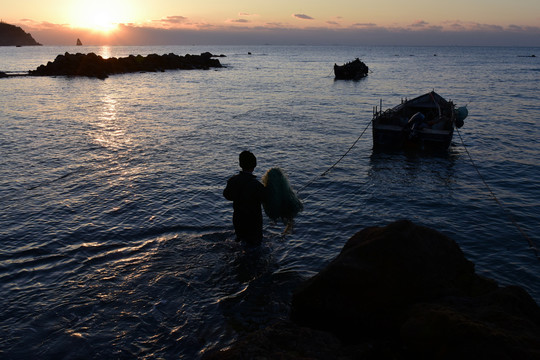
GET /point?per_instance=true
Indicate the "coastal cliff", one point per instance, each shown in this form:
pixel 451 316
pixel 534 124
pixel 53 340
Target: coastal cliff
pixel 401 291
pixel 11 35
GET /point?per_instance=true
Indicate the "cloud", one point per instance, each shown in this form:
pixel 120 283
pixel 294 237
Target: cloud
pixel 42 25
pixel 456 26
pixel 419 24
pixel 181 31
pixel 364 25
pixel 242 21
pixel 171 21
pixel 515 27
pixel 488 27
pixel 175 19
pixel 335 23
pixel 303 16
pixel 274 25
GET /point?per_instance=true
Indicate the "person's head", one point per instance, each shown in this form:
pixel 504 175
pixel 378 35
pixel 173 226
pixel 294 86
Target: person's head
pixel 248 161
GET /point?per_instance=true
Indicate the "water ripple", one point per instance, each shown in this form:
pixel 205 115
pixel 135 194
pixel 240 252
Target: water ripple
pixel 117 242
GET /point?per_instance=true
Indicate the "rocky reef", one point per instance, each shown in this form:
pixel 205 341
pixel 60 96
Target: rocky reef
pixel 11 35
pixel 401 291
pixel 92 65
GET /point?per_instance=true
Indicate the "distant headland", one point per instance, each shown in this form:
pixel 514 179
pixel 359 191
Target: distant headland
pixel 11 35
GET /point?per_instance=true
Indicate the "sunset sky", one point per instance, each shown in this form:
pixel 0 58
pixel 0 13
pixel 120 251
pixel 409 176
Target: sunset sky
pixel 236 22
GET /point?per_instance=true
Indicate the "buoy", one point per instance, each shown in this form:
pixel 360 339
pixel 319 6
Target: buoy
pixel 461 113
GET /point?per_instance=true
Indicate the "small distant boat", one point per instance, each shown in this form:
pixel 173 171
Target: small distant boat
pixel 353 70
pixel 79 43
pixel 424 123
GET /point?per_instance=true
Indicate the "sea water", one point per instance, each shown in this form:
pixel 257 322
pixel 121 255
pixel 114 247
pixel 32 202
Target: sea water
pixel 116 241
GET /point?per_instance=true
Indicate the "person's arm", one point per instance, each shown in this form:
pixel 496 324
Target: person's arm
pixel 227 192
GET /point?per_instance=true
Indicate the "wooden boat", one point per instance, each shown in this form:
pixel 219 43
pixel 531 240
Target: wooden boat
pixel 353 70
pixel 425 123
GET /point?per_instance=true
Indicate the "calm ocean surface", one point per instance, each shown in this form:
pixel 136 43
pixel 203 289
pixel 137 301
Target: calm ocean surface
pixel 116 241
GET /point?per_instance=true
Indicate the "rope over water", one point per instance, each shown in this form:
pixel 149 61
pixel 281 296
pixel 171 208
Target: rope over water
pixel 337 162
pixel 284 204
pixel 510 217
pixel 508 214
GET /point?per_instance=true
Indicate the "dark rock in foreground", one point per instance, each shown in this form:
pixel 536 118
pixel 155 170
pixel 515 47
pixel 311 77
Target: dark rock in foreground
pixel 401 291
pixel 92 65
pixel 283 340
pixel 11 35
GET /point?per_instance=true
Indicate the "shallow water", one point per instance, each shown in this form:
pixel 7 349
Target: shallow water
pixel 117 241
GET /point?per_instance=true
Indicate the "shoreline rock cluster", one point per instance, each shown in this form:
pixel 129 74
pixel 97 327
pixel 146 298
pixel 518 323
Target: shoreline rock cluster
pixel 401 291
pixel 95 66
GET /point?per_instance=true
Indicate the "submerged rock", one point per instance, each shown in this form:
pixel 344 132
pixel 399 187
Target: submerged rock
pixel 397 292
pixel 92 65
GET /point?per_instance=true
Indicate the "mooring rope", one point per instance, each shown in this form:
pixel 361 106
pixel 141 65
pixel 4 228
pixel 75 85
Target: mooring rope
pixel 337 162
pixel 510 217
pixel 321 175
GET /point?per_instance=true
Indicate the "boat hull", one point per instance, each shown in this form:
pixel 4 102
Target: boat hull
pixel 353 70
pixel 397 138
pixel 423 123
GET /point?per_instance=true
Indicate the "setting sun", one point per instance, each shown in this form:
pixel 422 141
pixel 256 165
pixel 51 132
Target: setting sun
pixel 99 15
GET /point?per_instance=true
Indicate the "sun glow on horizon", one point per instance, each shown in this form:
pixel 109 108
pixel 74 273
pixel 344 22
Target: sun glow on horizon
pixel 99 15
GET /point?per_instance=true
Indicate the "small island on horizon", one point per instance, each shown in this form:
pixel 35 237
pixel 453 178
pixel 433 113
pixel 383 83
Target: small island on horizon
pixel 11 35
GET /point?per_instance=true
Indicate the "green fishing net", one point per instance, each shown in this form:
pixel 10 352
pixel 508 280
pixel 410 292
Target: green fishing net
pixel 282 202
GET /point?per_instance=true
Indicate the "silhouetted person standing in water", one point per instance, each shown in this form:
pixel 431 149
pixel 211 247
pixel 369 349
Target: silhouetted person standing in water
pixel 247 194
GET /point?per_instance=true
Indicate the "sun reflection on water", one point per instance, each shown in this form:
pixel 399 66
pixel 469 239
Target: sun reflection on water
pixel 105 52
pixel 111 129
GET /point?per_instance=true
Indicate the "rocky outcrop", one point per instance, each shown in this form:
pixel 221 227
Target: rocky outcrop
pixel 92 65
pixel 283 340
pixel 402 291
pixel 11 35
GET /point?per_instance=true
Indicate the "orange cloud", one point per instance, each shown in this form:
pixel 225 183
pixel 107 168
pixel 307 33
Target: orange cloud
pixel 171 21
pixel 179 30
